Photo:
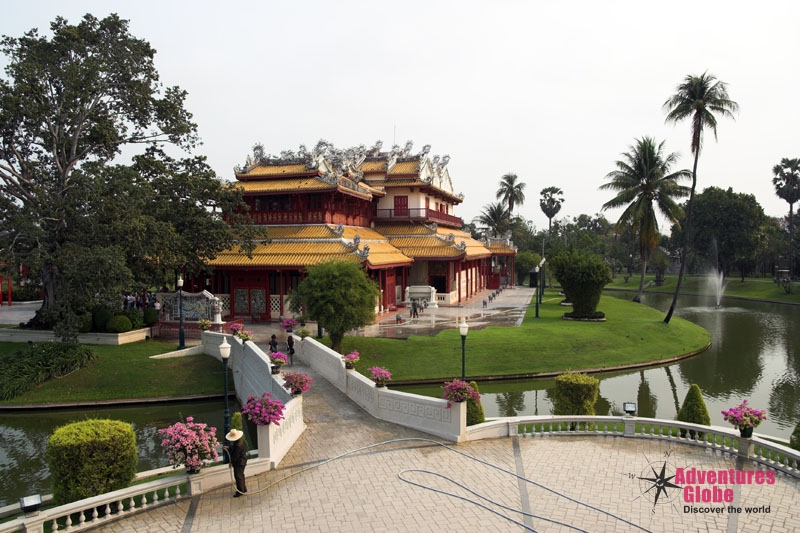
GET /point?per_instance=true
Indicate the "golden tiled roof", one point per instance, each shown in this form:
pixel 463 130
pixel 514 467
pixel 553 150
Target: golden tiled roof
pixel 501 249
pixel 304 246
pixel 285 185
pixel 373 166
pixel 405 167
pixel 401 228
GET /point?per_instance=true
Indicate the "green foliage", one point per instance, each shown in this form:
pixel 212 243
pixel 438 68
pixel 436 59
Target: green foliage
pixel 475 414
pixel 575 394
pixel 119 324
pixel 236 421
pixel 150 316
pixel 100 317
pixel 582 276
pixel 794 439
pixel 694 410
pixel 339 295
pixel 85 322
pixel 135 317
pixel 91 457
pixel 524 262
pixel 39 362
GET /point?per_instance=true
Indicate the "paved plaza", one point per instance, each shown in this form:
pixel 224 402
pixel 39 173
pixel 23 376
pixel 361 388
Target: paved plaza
pixel 397 479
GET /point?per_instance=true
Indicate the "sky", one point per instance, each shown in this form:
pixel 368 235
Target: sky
pixel 551 91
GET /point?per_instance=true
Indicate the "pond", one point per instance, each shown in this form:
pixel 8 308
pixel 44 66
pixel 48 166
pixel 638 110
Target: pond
pixel 23 438
pixel 755 355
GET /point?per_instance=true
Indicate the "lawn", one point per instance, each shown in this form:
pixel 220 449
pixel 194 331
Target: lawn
pixel 633 333
pixel 124 372
pixel 752 288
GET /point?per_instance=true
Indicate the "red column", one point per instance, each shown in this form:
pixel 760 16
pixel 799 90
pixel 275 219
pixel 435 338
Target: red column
pixel 458 281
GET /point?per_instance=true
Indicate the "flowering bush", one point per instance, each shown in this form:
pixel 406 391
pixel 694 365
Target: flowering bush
pixel 351 359
pixel 304 332
pixel 239 331
pixel 278 358
pixel 458 391
pixel 288 323
pixel 380 375
pixel 743 416
pixel 204 324
pixel 190 444
pixel 297 382
pixel 264 410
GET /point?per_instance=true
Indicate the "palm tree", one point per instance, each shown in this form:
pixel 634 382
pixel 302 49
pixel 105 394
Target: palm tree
pixel 698 98
pixel 552 198
pixel 787 187
pixel 645 185
pixel 511 191
pixel 495 218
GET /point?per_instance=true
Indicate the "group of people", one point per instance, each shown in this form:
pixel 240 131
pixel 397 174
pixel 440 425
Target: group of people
pixel 273 346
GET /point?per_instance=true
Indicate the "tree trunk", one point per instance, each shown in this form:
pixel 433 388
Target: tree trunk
pixel 638 297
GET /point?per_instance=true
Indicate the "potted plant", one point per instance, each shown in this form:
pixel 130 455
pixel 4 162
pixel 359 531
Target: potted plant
pixel 288 324
pixel 380 375
pixel 264 410
pixel 278 359
pixel 303 332
pixel 297 382
pixel 745 418
pixel 351 359
pixel 204 324
pixel 239 331
pixel 190 444
pixel 458 391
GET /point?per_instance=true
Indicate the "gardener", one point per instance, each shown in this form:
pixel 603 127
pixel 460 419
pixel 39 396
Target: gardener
pixel 238 458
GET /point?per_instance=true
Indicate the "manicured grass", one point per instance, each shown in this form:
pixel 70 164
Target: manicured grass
pixel 754 288
pixel 124 372
pixel 633 333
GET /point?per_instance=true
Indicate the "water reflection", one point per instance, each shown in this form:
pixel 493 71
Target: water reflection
pixel 23 439
pixel 755 354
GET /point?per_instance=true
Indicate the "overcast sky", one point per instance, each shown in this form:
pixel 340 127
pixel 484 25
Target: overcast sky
pixel 551 91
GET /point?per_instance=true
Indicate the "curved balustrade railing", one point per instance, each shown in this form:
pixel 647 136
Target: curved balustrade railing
pixel 757 449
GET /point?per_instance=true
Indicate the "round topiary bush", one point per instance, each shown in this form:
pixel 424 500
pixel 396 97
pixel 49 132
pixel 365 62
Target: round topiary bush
pixel 694 410
pixel 575 394
pixel 135 317
pixel 582 276
pixel 119 324
pixel 91 457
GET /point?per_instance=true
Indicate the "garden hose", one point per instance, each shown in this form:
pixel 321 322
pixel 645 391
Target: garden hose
pixel 400 475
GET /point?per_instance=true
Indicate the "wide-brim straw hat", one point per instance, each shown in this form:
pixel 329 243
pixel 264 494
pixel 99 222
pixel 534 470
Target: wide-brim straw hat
pixel 234 435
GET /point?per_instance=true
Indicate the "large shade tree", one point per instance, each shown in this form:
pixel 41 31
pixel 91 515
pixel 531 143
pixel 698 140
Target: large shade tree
pixel 337 294
pixel 645 186
pixel 550 203
pixel 87 226
pixel 699 99
pixel 787 187
pixel 511 191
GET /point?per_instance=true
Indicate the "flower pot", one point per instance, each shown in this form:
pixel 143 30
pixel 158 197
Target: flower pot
pixel 276 369
pixel 192 470
pixel 380 385
pixel 746 433
pixel 349 366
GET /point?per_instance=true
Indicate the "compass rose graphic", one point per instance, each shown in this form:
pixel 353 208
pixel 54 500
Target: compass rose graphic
pixel 657 484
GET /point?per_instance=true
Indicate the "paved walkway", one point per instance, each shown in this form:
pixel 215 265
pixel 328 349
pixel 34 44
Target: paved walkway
pixel 579 481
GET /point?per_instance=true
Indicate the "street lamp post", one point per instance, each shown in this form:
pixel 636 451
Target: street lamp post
pixel 181 335
pixel 463 328
pixel 225 353
pixel 536 296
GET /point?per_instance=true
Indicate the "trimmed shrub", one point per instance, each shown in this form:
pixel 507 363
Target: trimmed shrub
pixel 85 323
pixel 475 414
pixel 575 394
pixel 39 362
pixel 150 316
pixel 119 324
pixel 91 457
pixel 136 318
pixel 100 317
pixel 794 439
pixel 582 276
pixel 694 410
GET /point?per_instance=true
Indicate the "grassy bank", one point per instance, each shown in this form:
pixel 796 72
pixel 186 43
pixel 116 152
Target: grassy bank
pixel 753 288
pixel 125 372
pixel 633 333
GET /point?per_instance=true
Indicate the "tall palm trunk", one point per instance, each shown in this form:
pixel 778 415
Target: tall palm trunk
pixel 638 297
pixel 685 248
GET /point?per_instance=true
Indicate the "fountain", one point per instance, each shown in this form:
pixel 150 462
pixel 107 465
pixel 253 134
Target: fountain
pixel 715 281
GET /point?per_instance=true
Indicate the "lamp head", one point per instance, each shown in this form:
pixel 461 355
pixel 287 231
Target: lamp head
pixel 180 281
pixel 629 408
pixel 225 349
pixel 463 328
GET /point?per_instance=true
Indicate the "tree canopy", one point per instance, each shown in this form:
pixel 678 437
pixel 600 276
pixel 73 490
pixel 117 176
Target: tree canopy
pixel 550 203
pixel 87 226
pixel 511 191
pixel 337 294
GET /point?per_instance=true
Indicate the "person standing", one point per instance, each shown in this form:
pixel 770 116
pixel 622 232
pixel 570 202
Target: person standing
pixel 290 348
pixel 238 458
pixel 273 344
